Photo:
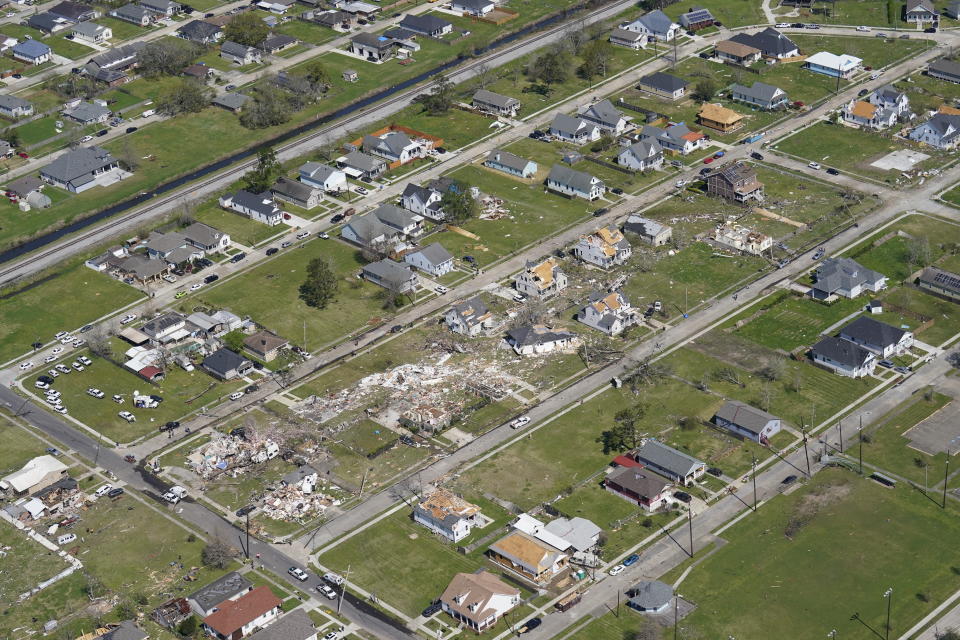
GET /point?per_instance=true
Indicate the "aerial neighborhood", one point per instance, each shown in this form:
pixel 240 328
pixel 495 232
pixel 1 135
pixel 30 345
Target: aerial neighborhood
pixel 343 320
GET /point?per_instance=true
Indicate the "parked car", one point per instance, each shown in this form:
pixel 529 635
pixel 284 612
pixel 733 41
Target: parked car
pixel 814 165
pixel 272 250
pixel 832 171
pixel 631 559
pixel 715 471
pixel 887 364
pixel 96 393
pixel 131 129
pixel 102 132
pixel 126 415
pixel 361 191
pixel 104 490
pixel 789 480
pixel 520 422
pixel 708 160
pixel 617 191
pixel 113 493
pixel 41 385
pixel 397 328
pixel 529 625
pixel 323 235
pixel 682 496
pixel 930 30
pixel 236 395
pixel 601 211
pixel 327 592
pixel 284 245
pixel 211 278
pixel 756 155
pixel 242 511
pixel 237 258
pixel 863 28
pixel 617 570
pixel 298 573
pixel 127 319
pixel 782 25
pixel 77 366
pixel 903 370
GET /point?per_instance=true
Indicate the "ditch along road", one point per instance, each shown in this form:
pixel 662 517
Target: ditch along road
pixel 57 246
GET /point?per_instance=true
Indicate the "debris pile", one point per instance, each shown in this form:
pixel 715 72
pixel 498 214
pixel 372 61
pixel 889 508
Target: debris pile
pixel 230 454
pixel 301 496
pixel 492 208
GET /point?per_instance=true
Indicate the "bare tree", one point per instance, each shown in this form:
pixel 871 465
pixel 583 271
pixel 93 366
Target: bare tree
pixel 484 76
pixel 766 396
pixel 775 369
pixel 728 374
pixel 98 341
pixel 218 553
pixel 531 312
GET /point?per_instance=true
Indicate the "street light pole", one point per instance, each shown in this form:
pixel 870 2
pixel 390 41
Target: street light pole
pixel 754 482
pixel 840 429
pixel 690 521
pixel 888 595
pixel 946 475
pixel 860 438
pixel 806 453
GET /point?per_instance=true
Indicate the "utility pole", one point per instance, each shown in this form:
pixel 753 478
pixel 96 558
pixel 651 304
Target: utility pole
pixel 363 481
pixel 840 429
pixel 860 437
pixel 96 456
pixel 888 594
pixel 343 588
pixel 690 522
pixel 806 453
pixel 617 614
pixel 676 606
pixel 247 515
pixel 305 337
pixel 946 474
pixel 754 481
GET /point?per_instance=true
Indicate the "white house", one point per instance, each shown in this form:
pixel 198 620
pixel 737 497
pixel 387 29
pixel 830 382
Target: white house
pixel 879 337
pixel 742 239
pixel 256 206
pixel 749 422
pixel 433 259
pixel 574 183
pixel 641 156
pixel 610 313
pixel 866 114
pixel 843 66
pixel 478 600
pixel 605 248
pixel 510 163
pixel 322 176
pixel 541 280
pixel 237 618
pixel 575 130
pixel 941 131
pixel 539 339
pixel 476 8
pixel 240 53
pixel 448 515
pixel 606 116
pixel 845 277
pixel 91 32
pixel 921 12
pixel 495 103
pixel 469 318
pixel 844 357
pixel 395 146
pixel 677 137
pixel 626 38
pixel 655 24
pixel 423 201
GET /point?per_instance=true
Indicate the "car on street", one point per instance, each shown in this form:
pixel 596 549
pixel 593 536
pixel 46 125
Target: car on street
pixel 179 294
pixel 819 253
pixel 789 480
pixel 756 155
pixel 903 370
pixel 26 365
pixel 59 335
pixel 782 25
pixel 85 328
pixel 86 138
pixel 195 286
pixel 323 235
pixel 130 458
pixel 66 339
pixel 302 235
pixel 284 245
pixel 529 625
pixel 520 422
pixel 599 212
pixel 708 159
pixel 271 251
pixel 333 634
pixel 880 34
pixel 441 289
pixel 298 573
pixel 631 560
pixel 327 592
pixel 131 129
pixel 127 319
pixel 49 359
pixel 833 171
pixel 930 30
pixel 863 28
pixel 79 342
pixel 397 328
pixel 814 165
pixel 617 570
pixel 361 191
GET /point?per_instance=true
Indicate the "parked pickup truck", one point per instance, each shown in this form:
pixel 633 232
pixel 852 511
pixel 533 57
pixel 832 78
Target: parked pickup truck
pixel 175 494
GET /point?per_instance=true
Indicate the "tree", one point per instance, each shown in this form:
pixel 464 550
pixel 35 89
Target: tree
pixel 552 67
pixel 458 204
pixel 166 57
pixel 269 107
pixel 98 341
pixel 766 396
pixel 704 90
pixel 218 553
pixel 187 96
pixel 233 340
pixel 316 73
pixel 775 369
pixel 74 86
pixel 129 156
pixel 919 253
pixel 246 28
pixel 12 135
pixel 440 98
pixel 625 433
pixel 320 286
pixel 265 173
pixel 596 56
pixel 188 627
pixel 728 374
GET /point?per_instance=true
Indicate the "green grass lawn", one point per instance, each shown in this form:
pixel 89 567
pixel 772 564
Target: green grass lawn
pixel 456 128
pixel 183 393
pixel 23 564
pixel 72 49
pixel 946 321
pixel 243 230
pixel 851 150
pixel 307 32
pixel 875 52
pixel 36 313
pixel 796 321
pixel 38 130
pixel 855 539
pixel 122 30
pixel 20 446
pixel 928 93
pixel 732 13
pixel 268 294
pixel 233 493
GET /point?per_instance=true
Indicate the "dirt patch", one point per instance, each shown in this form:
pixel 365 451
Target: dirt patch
pixel 734 350
pixel 811 504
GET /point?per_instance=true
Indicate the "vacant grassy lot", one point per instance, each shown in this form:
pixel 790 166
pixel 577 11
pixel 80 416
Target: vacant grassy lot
pixel 233 493
pixel 851 150
pixel 242 230
pixel 268 294
pixel 796 321
pixel 182 392
pixel 814 551
pixel 875 52
pixel 732 13
pixel 946 320
pixel 36 313
pixel 24 564
pixel 19 447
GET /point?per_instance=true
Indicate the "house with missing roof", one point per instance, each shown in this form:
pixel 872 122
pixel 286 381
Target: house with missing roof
pixel 478 600
pixel 606 116
pixel 736 182
pixel 718 117
pixel 739 238
pixel 573 536
pixel 654 233
pixel 879 337
pixel 941 131
pixel 664 85
pixel 235 619
pixel 746 421
pixel 526 556
pixel 940 282
pixel 390 275
pixel 760 95
pixel 510 163
pixel 643 488
pixel 256 206
pixel 575 130
pixel 655 24
pixel 672 464
pixel 295 625
pixel 605 248
pixel 494 103
pixel 845 277
pixel 470 318
pixel 231 586
pixel 843 357
pixel 646 155
pixel 539 339
pixel 541 280
pixel 608 312
pixel 573 183
pixel 82 168
pixel 447 514
pixel 433 259
pixel 39 473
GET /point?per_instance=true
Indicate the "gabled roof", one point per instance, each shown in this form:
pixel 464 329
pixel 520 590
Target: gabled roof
pixel 507 159
pixel 277 41
pixel 527 550
pixel 234 614
pixel 31 48
pixel 132 11
pixel 769 41
pixel 656 453
pixel 46 21
pixel 644 226
pixel 579 180
pixel 737 49
pixel 91 29
pixel 231 100
pixel 261 203
pixel 33 472
pixel 872 332
pixel 317 171
pixel 78 164
pixel 469 594
pixel 471 312
pixel 293 189
pixel 843 273
pixel 842 62
pixel 841 351
pixel 716 112
pixel 603 112
pixel 13 102
pixel 160 5
pixel 362 161
pixel 88 112
pixel 424 23
pixel 368 227
pixel 695 15
pixel 758 90
pixel 435 253
pixel 387 270
pixel 202 234
pixel 473 4
pixel 236 49
pixel 626 34
pixel 489 97
pixel 117 55
pixel 199 30
pixel 224 360
pixel 943 123
pixel 537 335
pixel 656 21
pixel 295 625
pixel 392 142
pixel 946 67
pixel 745 416
pixel 920 6
pixel 71 10
pixel 888 93
pixel 372 41
pixel 643 483
pixel 394 216
pixel 663 82
pixel 568 124
pixel 940 278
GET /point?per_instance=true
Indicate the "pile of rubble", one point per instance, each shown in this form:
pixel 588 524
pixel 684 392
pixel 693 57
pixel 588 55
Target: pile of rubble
pixel 301 496
pixel 492 208
pixel 230 454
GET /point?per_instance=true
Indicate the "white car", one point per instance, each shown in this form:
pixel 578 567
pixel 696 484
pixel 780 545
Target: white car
pixel 79 342
pixel 196 286
pixel 61 409
pixel 814 165
pixel 26 365
pixel 86 138
pixel 127 319
pixel 170 278
pixel 680 184
pixel 77 366
pixel 323 235
pixel 302 235
pixel 441 289
pixel 96 393
pixel 327 591
pixel 783 25
pixel 126 415
pixel 519 422
pixel 53 373
pixel 298 573
pixel 62 368
pixel 67 339
pixel 617 570
pixel 236 395
pixel 85 361
pixel 361 191
pixel 40 384
pixel 52 393
pixel 118 399
pixel 863 28
pixel 104 490
pixel 49 359
pixel 52 400
pixel 56 350
pixel 59 335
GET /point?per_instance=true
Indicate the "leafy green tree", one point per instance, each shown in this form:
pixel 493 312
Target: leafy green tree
pixel 458 204
pixel 188 627
pixel 704 90
pixel 187 96
pixel 320 287
pixel 246 28
pixel 552 67
pixel 265 173
pixel 167 56
pixel 316 73
pixel 596 57
pixel 269 107
pixel 625 433
pixel 233 340
pixel 440 98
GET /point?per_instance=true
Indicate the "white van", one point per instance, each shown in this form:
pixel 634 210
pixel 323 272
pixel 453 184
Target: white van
pixel 66 538
pixel 148 113
pixel 333 579
pixel 236 395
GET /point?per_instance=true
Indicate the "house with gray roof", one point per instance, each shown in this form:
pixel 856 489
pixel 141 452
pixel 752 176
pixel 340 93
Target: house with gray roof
pixel 770 42
pixel 845 277
pixel 743 420
pixel 843 357
pixel 295 625
pixel 677 137
pixel 48 23
pixel 495 103
pixel 231 101
pixel 126 630
pixel 166 8
pixel 945 69
pixel 88 113
pixel 424 201
pixel 761 95
pixel 879 337
pixel 655 24
pixel 647 490
pixel 228 587
pixel 75 11
pixel 200 32
pixel 205 237
pixel 371 47
pixel 469 318
pixel 629 39
pixel 433 259
pixel 14 107
pixel 606 116
pixel 390 275
pixel 134 14
pixel 650 596
pixel 357 164
pixel 256 206
pixel 32 51
pixel 941 131
pixel 921 12
pixel 324 177
pixel 226 365
pixel 240 53
pixel 298 193
pixel 940 282
pixel 22 187
pixel 115 59
pixel 510 163
pixel 426 25
pixel 573 130
pixel 664 85
pixel 573 183
pixel 697 18
pixel 952 10
pixel 476 8
pixel 672 464
pixel 650 231
pixel 91 32
pixel 385 223
pixel 645 155
pixel 539 339
pixel 82 168
pixel 395 146
pixel 276 43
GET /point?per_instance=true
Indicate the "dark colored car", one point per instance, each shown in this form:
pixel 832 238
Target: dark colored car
pixel 530 625
pixel 252 389
pixel 470 259
pixel 53 451
pixel 211 278
pixel 337 218
pixel 242 511
pixel 833 171
pixel 441 150
pixel 37 345
pixel 432 609
pixel 789 480
pixel 129 458
pixel 930 30
pixel 237 258
pixel 113 493
pixel 208 15
pixel 631 559
pixel 617 190
pixel 863 92
pixel 599 212
pixel 86 328
pixel 682 496
pixel 715 471
pixel 706 171
pixel 46 379
pixel 797 25
pixel 756 155
pixel 173 424
pixel 131 129
pixel 272 250
pixel 705 55
pixel 397 328
pixel 207 262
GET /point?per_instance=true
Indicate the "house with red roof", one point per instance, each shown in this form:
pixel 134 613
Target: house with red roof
pixel 234 619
